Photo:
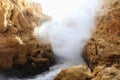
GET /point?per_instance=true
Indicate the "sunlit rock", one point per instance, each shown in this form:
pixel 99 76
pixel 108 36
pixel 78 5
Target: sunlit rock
pixel 81 72
pixel 20 52
pixel 103 47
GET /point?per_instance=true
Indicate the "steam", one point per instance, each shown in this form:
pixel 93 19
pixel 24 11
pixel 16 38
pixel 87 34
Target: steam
pixel 70 27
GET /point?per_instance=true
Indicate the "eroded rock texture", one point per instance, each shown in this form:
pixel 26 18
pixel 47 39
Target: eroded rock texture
pixel 81 72
pixel 19 50
pixel 106 73
pixel 104 46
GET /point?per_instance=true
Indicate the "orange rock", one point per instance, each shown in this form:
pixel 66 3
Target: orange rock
pixel 103 47
pixel 18 46
pixel 81 72
pixel 108 73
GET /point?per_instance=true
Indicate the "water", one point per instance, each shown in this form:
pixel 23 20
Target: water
pixel 70 27
pixel 48 75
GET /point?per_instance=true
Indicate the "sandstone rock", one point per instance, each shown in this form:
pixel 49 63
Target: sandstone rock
pixel 103 47
pixel 19 49
pixel 81 72
pixel 108 73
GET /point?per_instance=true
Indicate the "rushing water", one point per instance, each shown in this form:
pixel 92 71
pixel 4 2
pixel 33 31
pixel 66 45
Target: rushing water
pixel 48 75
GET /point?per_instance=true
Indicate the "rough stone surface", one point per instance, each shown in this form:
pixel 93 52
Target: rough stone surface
pixel 108 73
pixel 104 47
pixel 81 72
pixel 20 52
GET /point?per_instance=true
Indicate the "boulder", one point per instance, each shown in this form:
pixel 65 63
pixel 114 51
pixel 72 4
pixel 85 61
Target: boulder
pixel 81 72
pixel 106 73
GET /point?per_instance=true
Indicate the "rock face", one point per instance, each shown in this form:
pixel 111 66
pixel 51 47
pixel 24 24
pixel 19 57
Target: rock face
pixel 19 50
pixel 103 49
pixel 104 46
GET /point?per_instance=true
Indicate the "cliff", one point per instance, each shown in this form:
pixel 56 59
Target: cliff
pixel 20 52
pixel 103 48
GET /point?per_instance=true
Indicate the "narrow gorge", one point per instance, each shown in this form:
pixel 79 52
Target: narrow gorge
pixel 59 40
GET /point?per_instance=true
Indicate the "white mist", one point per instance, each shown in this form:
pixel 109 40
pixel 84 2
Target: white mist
pixel 70 27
